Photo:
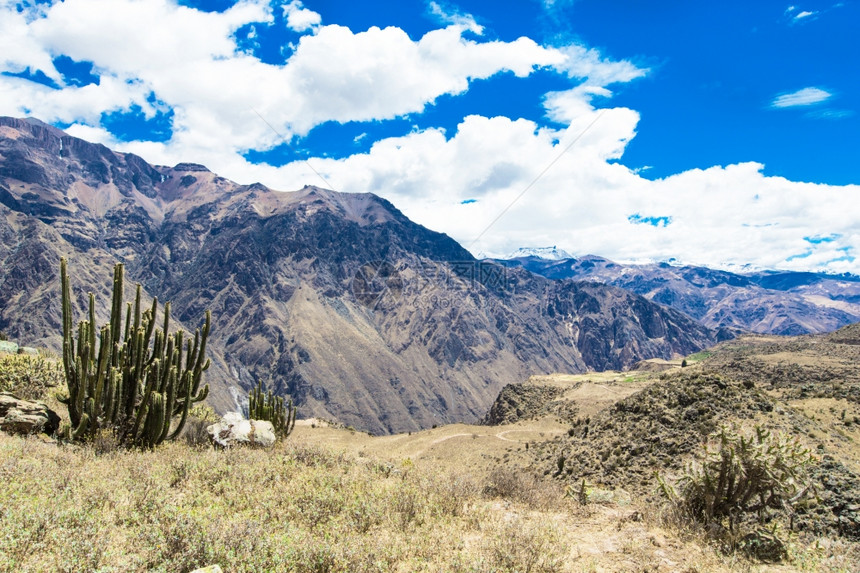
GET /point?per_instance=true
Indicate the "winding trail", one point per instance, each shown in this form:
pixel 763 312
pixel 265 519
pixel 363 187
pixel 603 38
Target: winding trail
pixel 499 435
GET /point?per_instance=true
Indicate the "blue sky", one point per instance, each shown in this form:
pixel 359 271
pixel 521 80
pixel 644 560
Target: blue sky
pixel 723 134
pixel 717 69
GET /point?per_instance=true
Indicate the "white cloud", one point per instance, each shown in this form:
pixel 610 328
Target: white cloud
pixel 299 18
pixel 723 216
pixel 452 17
pixel 577 198
pixel 72 104
pixel 803 97
pixel 19 48
pixel 797 16
pixel 383 74
pixel 93 134
pixel 189 60
pixel 590 65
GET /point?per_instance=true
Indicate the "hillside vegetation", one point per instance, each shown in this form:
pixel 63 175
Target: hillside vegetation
pixel 454 498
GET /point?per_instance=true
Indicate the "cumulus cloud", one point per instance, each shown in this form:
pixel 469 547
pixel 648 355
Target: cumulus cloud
pixel 299 18
pixel 190 61
pixel 552 186
pixel 802 97
pixel 20 49
pixel 723 216
pixel 383 74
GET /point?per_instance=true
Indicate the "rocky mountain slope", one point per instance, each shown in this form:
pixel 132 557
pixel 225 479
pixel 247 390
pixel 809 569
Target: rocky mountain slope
pixel 772 302
pixel 337 300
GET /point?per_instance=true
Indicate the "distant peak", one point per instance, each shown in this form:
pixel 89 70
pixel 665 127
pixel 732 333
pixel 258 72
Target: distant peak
pixel 190 167
pixel 258 187
pixel 35 121
pixel 548 253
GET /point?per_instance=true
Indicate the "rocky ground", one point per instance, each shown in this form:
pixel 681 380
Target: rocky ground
pixel 805 387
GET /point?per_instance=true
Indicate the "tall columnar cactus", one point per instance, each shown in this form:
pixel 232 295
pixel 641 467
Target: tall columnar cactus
pixel 140 378
pixel 266 406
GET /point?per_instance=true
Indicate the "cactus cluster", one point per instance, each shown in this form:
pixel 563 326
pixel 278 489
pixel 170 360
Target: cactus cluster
pixel 266 406
pixel 138 378
pixel 744 475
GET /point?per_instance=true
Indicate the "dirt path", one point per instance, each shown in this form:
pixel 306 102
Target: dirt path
pixel 446 438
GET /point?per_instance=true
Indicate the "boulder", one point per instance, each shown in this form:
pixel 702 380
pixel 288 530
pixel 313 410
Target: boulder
pixel 234 429
pixel 25 417
pixel 7 346
pixel 28 350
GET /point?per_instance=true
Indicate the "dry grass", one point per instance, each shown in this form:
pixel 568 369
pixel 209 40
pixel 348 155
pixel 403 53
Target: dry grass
pixel 295 508
pixel 310 508
pixel 327 500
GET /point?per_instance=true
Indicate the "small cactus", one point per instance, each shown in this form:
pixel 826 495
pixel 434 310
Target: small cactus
pixel 266 406
pixel 743 479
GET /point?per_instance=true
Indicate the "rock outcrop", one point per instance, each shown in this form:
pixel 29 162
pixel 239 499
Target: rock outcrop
pixel 24 417
pixel 520 402
pixel 234 430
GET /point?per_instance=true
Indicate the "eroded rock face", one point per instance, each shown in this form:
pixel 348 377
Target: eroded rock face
pixel 25 417
pixel 233 430
pixel 520 402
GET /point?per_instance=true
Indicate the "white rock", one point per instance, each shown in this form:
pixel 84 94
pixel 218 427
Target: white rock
pixel 234 429
pixel 209 569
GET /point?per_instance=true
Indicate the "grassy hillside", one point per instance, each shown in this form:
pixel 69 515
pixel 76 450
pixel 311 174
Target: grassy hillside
pixel 455 498
pixel 302 507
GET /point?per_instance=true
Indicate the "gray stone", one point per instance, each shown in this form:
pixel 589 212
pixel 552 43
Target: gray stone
pixel 7 346
pixel 28 350
pixel 234 429
pixel 25 417
pixel 209 569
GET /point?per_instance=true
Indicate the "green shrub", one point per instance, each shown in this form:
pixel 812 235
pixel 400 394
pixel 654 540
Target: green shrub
pixel 29 377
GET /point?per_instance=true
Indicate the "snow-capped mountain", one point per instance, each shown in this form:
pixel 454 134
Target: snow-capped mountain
pixel 547 253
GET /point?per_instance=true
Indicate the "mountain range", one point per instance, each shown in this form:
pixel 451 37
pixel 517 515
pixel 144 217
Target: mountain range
pixel 764 302
pixel 337 300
